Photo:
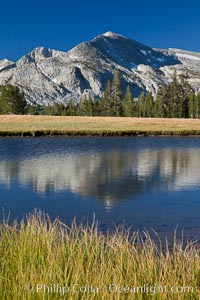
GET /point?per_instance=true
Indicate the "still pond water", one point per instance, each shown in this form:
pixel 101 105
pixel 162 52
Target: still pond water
pixel 138 181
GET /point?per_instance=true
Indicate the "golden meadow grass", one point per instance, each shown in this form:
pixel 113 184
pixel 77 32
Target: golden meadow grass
pixel 28 125
pixel 37 251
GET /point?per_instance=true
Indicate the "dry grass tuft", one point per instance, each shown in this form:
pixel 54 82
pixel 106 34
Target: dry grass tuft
pixel 39 251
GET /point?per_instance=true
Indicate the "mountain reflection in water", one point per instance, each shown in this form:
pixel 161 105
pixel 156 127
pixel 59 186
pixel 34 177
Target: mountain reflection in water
pixel 140 182
pixel 107 176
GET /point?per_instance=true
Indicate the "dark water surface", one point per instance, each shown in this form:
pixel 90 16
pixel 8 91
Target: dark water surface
pixel 139 181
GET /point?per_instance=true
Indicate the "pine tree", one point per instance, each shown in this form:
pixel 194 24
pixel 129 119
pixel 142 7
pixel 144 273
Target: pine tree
pixel 161 104
pixel 57 109
pixel 197 106
pixel 128 103
pixel 12 101
pixel 149 106
pixel 71 108
pixel 107 92
pixel 175 103
pixel 96 107
pixel 31 110
pixel 106 102
pixel 116 95
pixel 185 89
pixel 192 108
pixel 140 104
pixel 85 107
pixel 90 107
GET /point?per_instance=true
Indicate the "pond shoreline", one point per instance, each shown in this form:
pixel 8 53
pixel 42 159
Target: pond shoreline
pixel 78 133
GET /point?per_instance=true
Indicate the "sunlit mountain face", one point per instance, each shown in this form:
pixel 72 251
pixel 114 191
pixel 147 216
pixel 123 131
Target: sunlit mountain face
pixel 47 76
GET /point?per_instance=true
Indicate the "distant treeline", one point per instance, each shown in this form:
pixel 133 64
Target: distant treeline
pixel 174 100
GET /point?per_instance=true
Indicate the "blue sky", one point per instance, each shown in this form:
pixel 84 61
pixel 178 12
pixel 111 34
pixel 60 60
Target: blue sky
pixel 61 24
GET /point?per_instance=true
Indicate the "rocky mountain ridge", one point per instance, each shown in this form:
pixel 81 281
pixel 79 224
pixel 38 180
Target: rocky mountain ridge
pixel 47 76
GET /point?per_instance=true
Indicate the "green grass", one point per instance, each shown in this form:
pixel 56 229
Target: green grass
pixel 16 125
pixel 39 251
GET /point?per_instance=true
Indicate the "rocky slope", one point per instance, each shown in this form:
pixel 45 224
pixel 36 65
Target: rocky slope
pixel 47 76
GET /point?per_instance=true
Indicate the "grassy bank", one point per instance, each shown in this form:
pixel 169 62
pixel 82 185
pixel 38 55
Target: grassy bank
pixel 39 252
pixel 27 125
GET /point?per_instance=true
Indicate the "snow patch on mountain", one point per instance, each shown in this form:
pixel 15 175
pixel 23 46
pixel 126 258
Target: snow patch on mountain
pixel 143 52
pixel 5 63
pixel 187 56
pixel 112 34
pixel 161 59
